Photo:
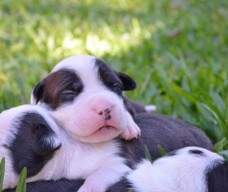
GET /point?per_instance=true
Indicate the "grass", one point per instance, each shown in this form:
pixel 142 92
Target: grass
pixel 175 49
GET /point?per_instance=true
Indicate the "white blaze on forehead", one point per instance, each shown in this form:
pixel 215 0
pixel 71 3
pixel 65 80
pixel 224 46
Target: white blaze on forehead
pixel 75 62
pixel 84 66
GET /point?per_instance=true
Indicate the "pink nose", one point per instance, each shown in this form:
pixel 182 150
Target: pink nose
pixel 102 108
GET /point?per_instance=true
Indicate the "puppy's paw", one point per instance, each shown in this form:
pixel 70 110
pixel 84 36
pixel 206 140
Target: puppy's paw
pixel 131 131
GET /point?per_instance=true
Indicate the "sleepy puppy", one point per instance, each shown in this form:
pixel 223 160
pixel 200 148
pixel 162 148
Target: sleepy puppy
pixel 86 99
pixel 30 138
pixel 185 170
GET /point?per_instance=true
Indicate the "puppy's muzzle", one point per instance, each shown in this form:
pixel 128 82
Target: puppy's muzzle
pixel 102 108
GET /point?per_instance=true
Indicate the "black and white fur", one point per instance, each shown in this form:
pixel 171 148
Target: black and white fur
pixel 190 169
pixel 65 92
pixel 30 138
pixel 83 92
pixel 77 93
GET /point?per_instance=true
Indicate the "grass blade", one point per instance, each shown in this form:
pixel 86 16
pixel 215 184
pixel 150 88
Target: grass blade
pixel 162 150
pixel 147 153
pixel 21 186
pixel 2 172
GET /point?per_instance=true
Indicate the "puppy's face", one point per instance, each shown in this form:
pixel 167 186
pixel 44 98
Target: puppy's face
pixel 27 139
pixel 85 96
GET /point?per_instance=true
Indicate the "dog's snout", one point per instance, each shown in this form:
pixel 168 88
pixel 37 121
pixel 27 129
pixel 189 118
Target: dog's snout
pixel 103 108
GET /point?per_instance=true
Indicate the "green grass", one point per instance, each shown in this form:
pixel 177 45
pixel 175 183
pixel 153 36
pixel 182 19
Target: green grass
pixel 177 50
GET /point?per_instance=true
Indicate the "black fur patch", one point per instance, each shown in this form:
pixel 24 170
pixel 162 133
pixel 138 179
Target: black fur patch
pixel 65 185
pixel 29 148
pixel 157 130
pixel 115 81
pixel 217 178
pixel 196 152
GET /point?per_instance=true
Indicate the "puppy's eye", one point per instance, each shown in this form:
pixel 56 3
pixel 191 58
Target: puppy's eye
pixel 196 151
pixel 69 92
pixel 67 96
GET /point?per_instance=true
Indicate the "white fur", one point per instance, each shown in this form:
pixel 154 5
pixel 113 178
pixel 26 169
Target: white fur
pixel 99 163
pixel 182 172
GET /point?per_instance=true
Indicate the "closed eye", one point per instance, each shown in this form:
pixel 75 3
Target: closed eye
pixel 69 92
pixel 68 95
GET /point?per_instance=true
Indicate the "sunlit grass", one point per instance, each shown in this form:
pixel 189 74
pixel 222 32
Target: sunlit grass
pixel 175 49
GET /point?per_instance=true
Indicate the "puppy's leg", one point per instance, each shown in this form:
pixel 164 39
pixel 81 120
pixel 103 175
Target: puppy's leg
pixel 132 130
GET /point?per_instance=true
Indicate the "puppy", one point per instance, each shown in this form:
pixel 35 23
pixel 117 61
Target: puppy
pixel 30 138
pixel 185 170
pixel 86 99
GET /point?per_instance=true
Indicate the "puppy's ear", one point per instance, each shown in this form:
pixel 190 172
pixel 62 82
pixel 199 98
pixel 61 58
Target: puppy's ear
pixel 37 92
pixel 128 82
pixel 46 141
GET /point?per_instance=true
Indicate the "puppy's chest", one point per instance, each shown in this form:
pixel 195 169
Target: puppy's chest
pixel 80 160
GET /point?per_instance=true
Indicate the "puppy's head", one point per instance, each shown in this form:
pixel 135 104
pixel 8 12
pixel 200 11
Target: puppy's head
pixel 181 170
pixel 27 139
pixel 85 96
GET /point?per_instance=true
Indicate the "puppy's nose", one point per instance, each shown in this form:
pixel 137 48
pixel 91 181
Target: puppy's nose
pixel 103 109
pixel 106 113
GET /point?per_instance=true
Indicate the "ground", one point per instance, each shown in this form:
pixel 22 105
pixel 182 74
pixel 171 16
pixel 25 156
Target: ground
pixel 177 50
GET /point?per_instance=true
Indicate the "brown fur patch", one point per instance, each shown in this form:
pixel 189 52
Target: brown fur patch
pixel 58 87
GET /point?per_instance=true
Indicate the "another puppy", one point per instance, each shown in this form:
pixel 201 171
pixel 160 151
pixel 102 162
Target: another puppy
pixel 28 138
pixel 86 97
pixel 185 170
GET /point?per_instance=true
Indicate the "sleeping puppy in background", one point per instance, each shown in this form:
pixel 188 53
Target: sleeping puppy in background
pixel 190 169
pixel 86 99
pixel 30 138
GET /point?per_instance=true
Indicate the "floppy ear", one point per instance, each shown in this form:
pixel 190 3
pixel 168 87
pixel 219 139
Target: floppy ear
pixel 128 82
pixel 46 141
pixel 37 92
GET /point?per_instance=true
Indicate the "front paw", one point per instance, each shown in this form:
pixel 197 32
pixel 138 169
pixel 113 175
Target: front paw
pixel 131 132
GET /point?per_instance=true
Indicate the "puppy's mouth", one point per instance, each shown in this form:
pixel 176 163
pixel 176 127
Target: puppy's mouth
pixel 102 134
pixel 105 129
